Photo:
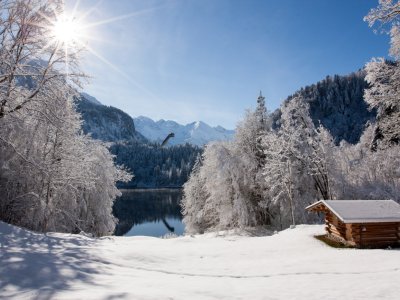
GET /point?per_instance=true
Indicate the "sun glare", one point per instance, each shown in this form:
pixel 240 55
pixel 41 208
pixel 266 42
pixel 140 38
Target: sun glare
pixel 71 32
pixel 66 30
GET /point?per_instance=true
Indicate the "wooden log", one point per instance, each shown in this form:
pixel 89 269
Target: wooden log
pixel 367 229
pixel 377 239
pixel 377 244
pixel 379 231
pixel 380 238
pixel 394 236
pixel 371 241
pixel 349 232
pixel 328 230
pixel 377 234
pixel 383 230
pixel 377 225
pixel 333 230
pixel 337 233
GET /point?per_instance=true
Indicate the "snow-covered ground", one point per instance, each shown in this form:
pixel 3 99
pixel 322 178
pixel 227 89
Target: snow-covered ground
pixel 288 265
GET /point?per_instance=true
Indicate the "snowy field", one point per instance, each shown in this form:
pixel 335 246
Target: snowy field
pixel 288 265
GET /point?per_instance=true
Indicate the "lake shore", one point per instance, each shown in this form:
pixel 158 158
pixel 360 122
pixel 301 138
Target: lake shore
pixel 151 189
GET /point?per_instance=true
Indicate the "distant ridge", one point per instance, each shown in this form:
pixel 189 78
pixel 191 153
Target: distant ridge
pixel 337 103
pixel 106 123
pixel 91 98
pixel 195 133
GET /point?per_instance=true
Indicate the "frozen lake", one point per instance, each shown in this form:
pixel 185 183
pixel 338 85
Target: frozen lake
pixel 153 212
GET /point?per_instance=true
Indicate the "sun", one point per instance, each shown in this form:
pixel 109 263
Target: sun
pixel 69 31
pixel 66 30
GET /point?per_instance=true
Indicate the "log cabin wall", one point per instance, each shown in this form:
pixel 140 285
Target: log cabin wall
pixel 363 235
pixel 334 226
pixel 375 234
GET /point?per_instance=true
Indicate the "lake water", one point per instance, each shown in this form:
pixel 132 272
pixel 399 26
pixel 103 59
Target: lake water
pixel 149 212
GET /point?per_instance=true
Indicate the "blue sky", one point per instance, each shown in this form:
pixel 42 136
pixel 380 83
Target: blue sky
pixel 189 60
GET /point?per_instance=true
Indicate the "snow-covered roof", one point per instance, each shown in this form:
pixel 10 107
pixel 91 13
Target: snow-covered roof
pixel 362 211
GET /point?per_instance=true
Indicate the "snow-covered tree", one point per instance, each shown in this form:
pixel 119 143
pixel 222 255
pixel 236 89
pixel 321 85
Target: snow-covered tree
pixel 51 173
pixel 388 15
pixel 30 53
pixel 215 196
pixel 279 177
pixel 384 77
pixel 52 177
pixel 248 148
pixel 384 95
pixel 219 167
pixel 367 174
pixel 193 200
pixel 297 164
pixel 261 113
pixel 227 191
pixel 306 143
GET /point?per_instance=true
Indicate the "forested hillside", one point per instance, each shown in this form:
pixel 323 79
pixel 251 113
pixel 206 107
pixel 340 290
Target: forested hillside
pixel 156 166
pixel 336 103
pixel 152 165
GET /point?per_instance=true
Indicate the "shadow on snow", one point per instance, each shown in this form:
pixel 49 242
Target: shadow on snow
pixel 44 263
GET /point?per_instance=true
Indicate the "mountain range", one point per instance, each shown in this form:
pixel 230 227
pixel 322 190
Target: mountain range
pixel 196 133
pixel 111 124
pixel 336 102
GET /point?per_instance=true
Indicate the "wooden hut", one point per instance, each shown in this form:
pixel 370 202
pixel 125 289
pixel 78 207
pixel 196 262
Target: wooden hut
pixel 361 223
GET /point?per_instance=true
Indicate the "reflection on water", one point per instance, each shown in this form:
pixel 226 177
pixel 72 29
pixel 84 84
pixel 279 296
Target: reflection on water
pixel 149 212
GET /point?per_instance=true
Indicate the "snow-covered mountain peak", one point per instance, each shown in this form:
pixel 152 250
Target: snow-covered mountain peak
pixel 167 123
pixel 198 124
pixel 196 133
